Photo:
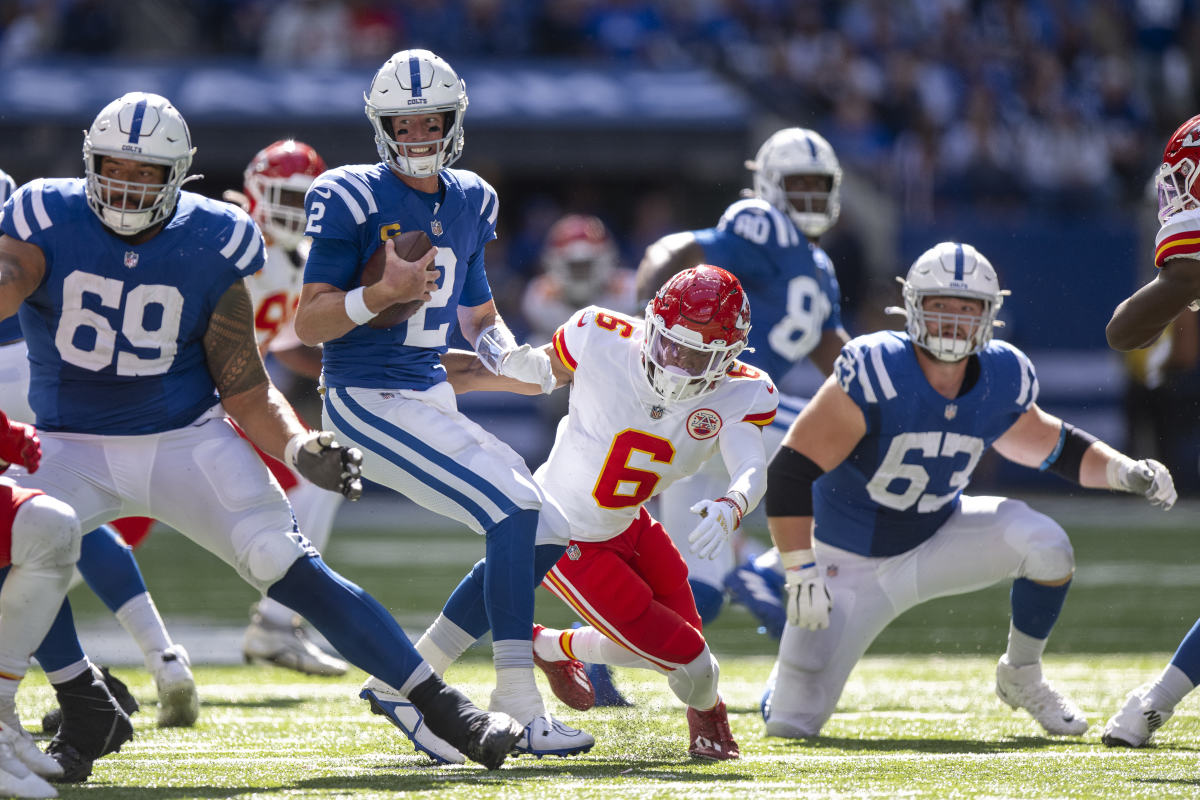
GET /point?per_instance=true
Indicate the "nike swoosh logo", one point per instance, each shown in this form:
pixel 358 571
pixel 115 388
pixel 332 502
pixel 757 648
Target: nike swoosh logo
pixel 323 192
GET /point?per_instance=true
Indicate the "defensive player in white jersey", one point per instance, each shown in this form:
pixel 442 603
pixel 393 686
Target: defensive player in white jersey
pixel 275 181
pixel 1138 322
pixel 769 240
pixel 139 327
pixel 651 400
pixel 865 497
pixel 39 543
pixel 385 386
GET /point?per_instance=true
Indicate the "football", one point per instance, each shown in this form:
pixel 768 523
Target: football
pixel 410 246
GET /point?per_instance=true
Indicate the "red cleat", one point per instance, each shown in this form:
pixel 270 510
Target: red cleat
pixel 568 679
pixel 709 736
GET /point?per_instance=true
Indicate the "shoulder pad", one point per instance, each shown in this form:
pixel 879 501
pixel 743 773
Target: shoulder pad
pixel 759 222
pixel 350 188
pixel 1014 368
pixel 862 370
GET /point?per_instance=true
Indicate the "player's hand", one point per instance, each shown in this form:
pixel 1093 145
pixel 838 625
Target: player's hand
pixel 718 520
pixel 19 444
pixel 403 281
pixel 318 457
pixel 1149 478
pixel 529 365
pixel 808 602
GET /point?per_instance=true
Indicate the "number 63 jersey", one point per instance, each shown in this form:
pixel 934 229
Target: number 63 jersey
pixel 904 478
pixel 619 444
pixel 115 330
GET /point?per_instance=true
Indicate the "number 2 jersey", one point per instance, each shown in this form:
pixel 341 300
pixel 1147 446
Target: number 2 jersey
pixel 351 211
pixel 115 330
pixel 905 477
pixel 793 292
pixel 619 445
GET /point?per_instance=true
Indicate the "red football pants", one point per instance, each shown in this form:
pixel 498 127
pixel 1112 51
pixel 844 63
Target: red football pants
pixel 11 498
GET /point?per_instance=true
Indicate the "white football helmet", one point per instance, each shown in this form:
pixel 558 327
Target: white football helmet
pixel 138 126
pixel 415 82
pixel 799 151
pixel 950 269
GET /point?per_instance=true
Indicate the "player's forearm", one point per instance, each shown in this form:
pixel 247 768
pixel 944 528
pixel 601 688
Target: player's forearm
pixel 1141 318
pixel 744 457
pixel 266 417
pixel 466 373
pixel 791 533
pixel 1093 467
pixel 322 316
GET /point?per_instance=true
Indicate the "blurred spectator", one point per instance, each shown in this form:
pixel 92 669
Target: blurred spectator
pixel 27 29
pixel 93 28
pixel 307 33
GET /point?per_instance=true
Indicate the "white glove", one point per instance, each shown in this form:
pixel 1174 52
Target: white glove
pixel 1149 478
pixel 529 365
pixel 808 602
pixel 316 456
pixel 719 518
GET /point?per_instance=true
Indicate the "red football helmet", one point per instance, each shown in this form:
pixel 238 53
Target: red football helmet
pixel 1176 177
pixel 695 327
pixel 275 181
pixel 581 254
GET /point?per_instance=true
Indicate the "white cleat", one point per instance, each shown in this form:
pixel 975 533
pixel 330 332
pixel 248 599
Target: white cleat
pixel 1024 687
pixel 26 750
pixel 288 646
pixel 546 736
pixel 404 715
pixel 16 778
pixel 178 703
pixel 1134 725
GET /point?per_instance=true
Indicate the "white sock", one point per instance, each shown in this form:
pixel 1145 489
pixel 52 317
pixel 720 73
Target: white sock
pixel 1023 649
pixel 1171 687
pixel 275 613
pixel 450 640
pixel 590 645
pixel 437 658
pixel 68 672
pixel 140 618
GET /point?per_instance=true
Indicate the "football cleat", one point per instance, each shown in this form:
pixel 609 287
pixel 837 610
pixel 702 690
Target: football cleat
pixel 389 703
pixel 16 778
pixel 760 590
pixel 178 703
pixel 605 689
pixel 568 679
pixel 546 736
pixel 288 646
pixel 709 736
pixel 1134 725
pixel 93 725
pixel 1024 687
pixel 491 736
pixel 120 692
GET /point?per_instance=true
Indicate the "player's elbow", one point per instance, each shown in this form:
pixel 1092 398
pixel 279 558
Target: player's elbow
pixel 1121 337
pixel 307 331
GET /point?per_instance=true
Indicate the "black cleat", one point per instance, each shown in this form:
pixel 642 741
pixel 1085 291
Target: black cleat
pixel 491 736
pixel 120 692
pixel 93 725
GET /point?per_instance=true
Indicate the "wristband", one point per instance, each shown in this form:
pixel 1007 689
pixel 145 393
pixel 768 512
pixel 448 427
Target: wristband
pixel 797 559
pixel 356 307
pixel 737 510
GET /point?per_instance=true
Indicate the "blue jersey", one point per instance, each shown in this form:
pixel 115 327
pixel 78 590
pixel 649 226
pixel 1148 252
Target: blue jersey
pixel 794 296
pixel 115 330
pixel 905 477
pixel 10 328
pixel 351 211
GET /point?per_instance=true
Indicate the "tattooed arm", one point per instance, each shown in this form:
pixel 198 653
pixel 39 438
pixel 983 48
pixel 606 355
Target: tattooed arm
pixel 22 266
pixel 237 369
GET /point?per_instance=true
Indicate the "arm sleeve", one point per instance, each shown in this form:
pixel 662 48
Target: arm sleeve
pixel 745 458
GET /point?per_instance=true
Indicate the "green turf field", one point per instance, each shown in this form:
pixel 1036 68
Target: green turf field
pixel 918 719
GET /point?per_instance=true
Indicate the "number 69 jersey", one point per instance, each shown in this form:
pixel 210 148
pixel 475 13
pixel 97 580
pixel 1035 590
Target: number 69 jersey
pixel 906 475
pixel 115 330
pixel 619 445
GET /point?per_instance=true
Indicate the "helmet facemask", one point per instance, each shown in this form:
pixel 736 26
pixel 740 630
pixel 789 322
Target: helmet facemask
pixel 799 152
pixel 1175 183
pixel 679 365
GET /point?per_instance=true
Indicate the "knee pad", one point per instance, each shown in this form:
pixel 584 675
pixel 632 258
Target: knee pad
pixel 1049 555
pixel 45 533
pixel 270 555
pixel 695 683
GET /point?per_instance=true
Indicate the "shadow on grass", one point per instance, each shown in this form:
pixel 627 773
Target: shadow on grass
pixel 927 744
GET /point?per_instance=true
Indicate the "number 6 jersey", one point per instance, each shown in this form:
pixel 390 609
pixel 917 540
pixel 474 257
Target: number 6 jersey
pixel 905 476
pixel 115 330
pixel 619 444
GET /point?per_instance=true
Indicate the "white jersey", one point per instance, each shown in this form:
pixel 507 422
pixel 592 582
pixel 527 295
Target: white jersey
pixel 619 445
pixel 1179 237
pixel 275 291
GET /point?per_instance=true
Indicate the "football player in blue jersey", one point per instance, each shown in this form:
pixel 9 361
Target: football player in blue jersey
pixel 769 240
pixel 1136 323
pixel 386 389
pixel 865 497
pixel 141 341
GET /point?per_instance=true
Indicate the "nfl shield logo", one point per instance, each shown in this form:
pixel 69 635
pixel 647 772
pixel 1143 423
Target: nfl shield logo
pixel 573 552
pixel 656 412
pixel 131 259
pixel 436 227
pixel 951 411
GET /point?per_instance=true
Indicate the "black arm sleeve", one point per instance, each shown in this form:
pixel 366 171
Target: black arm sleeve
pixel 790 478
pixel 1067 457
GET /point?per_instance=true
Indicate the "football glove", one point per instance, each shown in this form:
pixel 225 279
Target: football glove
pixel 320 459
pixel 808 602
pixel 19 444
pixel 529 365
pixel 1149 478
pixel 719 518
